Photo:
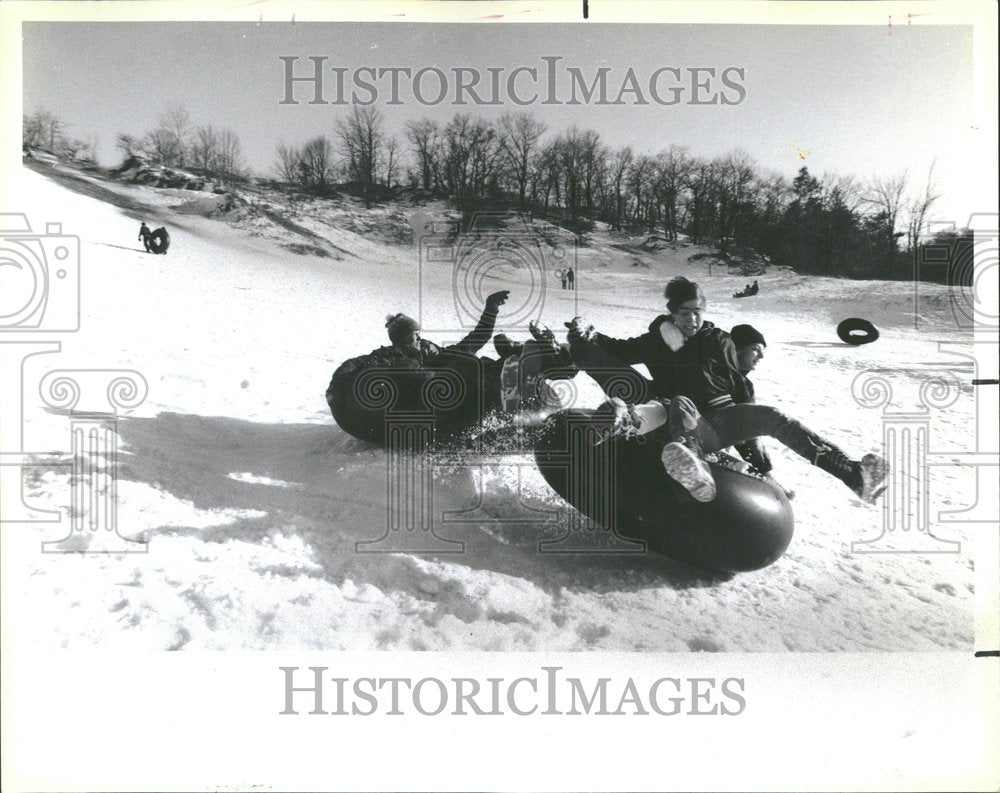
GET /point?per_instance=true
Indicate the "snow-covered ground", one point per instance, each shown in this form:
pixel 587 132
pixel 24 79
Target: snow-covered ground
pixel 252 500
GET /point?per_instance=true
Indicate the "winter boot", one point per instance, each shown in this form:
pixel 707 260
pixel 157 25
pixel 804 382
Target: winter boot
pixel 505 347
pixel 559 365
pixel 874 472
pixel 543 334
pixel 684 461
pixel 867 479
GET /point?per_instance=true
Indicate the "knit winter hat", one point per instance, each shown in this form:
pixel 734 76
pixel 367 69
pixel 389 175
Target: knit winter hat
pixel 400 326
pixel 746 334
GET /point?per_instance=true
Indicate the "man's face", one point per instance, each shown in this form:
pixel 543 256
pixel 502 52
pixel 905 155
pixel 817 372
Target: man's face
pixel 688 317
pixel 411 342
pixel 748 356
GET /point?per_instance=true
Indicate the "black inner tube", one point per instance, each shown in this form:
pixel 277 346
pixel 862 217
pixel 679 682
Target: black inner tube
pixel 159 241
pixel 856 331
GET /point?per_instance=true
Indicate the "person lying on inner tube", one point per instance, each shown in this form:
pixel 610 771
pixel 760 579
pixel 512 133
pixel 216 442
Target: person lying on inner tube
pixel 480 375
pixel 711 410
pixel 404 332
pixel 543 352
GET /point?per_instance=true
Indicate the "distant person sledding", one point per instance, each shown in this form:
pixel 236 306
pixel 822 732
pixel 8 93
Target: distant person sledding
pixel 427 391
pixel 748 291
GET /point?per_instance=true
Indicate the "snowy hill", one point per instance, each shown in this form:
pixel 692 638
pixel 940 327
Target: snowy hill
pixel 252 500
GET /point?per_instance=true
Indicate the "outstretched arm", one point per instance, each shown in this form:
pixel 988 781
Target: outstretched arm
pixel 483 331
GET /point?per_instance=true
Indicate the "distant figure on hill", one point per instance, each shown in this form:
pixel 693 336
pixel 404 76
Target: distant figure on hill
pixel 755 288
pixel 144 234
pixel 570 278
pixel 563 275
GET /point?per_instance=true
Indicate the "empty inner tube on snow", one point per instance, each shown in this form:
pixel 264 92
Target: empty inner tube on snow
pixel 857 331
pixel 621 485
pixel 159 241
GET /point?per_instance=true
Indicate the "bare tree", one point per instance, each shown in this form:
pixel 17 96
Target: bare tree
pixel 42 129
pixel 470 149
pixel 638 181
pixel 316 164
pixel 287 164
pixel 161 147
pixel 34 128
pixel 361 138
pixel 425 138
pixel 700 187
pixel 391 160
pixel 734 182
pixel 518 137
pixel 620 165
pixel 672 167
pixel 168 142
pixel 204 148
pixel 886 196
pixel 919 208
pixel 129 145
pixel 229 156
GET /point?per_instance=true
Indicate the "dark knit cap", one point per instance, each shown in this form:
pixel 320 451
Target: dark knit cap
pixel 400 326
pixel 746 334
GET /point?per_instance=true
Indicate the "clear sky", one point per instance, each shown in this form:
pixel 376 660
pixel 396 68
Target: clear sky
pixel 859 100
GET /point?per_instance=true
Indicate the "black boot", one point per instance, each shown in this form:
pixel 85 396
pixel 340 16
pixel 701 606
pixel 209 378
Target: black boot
pixel 866 478
pixel 505 347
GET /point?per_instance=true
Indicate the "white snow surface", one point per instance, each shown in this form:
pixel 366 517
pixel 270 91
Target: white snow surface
pixel 252 500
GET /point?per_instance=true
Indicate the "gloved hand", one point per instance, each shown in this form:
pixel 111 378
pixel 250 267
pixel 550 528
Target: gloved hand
pixel 624 420
pixel 579 329
pixel 497 299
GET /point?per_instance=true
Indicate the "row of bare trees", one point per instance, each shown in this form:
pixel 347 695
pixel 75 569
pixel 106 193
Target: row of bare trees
pixel 177 143
pixel 42 129
pixel 361 154
pixel 833 225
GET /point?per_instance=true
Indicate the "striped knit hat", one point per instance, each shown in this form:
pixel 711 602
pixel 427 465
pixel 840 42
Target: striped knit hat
pixel 400 326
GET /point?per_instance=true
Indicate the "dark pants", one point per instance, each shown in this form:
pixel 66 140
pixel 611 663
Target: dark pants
pixel 737 423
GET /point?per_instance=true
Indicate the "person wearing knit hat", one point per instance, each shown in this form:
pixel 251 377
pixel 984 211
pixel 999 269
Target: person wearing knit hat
pixel 712 408
pixel 404 331
pixel 750 346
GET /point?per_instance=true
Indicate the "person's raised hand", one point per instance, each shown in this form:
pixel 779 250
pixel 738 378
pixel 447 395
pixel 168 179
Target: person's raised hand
pixel 497 299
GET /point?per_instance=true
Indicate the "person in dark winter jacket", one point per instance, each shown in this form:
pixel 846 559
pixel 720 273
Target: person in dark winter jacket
pixel 479 376
pixel 712 408
pixel 144 234
pixel 750 344
pixel 609 360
